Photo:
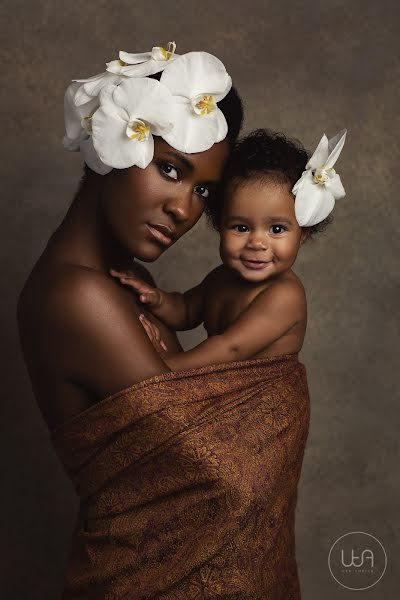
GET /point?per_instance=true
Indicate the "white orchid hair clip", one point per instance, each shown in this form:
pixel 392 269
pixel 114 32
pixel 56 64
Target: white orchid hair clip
pixel 112 117
pixel 319 186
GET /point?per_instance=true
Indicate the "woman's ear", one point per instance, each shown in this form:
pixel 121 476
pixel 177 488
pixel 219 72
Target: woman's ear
pixel 305 234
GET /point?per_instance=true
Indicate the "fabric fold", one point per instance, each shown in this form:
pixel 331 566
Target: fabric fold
pixel 188 485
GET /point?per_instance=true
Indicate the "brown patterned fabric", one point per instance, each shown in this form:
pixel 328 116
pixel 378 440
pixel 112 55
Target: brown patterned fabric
pixel 188 485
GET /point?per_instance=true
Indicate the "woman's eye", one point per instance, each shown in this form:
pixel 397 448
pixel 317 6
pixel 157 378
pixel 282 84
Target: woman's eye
pixel 275 227
pixel 241 228
pixel 169 170
pixel 202 191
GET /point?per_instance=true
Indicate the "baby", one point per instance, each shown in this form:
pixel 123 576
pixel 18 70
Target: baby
pixel 252 305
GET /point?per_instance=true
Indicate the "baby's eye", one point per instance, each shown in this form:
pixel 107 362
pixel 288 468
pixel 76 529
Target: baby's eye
pixel 169 170
pixel 202 191
pixel 240 228
pixel 275 227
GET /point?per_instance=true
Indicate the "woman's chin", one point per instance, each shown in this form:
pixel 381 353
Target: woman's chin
pixel 148 252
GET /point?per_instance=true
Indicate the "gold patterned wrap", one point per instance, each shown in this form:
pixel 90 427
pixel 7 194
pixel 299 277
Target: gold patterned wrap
pixel 188 485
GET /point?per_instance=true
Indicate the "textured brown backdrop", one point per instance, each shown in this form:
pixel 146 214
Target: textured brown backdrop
pixel 302 67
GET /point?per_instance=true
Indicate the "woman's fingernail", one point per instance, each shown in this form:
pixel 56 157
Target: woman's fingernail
pixel 164 346
pixel 141 317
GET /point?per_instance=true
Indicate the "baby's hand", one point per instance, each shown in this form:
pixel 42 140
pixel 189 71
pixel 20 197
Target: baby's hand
pixel 147 293
pixel 154 334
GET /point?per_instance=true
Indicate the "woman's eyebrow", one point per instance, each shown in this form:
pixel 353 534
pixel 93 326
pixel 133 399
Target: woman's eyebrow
pixel 182 159
pixel 189 165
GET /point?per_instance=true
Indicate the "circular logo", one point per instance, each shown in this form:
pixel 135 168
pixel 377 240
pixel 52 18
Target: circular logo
pixel 357 560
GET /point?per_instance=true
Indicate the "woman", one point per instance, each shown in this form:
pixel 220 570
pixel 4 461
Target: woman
pixel 80 332
pixel 187 481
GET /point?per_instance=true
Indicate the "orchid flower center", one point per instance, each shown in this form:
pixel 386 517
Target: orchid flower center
pixel 321 175
pixel 138 130
pixel 168 51
pixel 122 63
pixel 87 123
pixel 160 53
pixel 204 104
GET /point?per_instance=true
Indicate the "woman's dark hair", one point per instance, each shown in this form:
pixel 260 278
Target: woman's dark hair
pixel 262 155
pixel 232 108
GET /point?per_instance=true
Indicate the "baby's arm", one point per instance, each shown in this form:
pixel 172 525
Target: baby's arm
pixel 178 311
pixel 269 316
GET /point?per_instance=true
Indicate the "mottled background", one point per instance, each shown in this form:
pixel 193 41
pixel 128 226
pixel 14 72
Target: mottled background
pixel 303 67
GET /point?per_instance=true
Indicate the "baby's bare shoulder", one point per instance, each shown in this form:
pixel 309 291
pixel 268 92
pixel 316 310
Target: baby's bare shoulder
pixel 287 293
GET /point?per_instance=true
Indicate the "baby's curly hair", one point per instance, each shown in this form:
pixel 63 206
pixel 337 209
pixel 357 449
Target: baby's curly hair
pixel 262 155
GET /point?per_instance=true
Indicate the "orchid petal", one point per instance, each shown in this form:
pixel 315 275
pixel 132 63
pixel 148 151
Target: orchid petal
pixel 313 202
pixel 93 88
pixel 320 154
pixel 147 99
pixel 71 115
pixel 334 185
pixel 73 145
pixel 195 133
pixel 106 99
pixel 146 155
pixel 140 70
pixel 134 59
pixel 196 73
pixel 92 159
pixel 110 141
pixel 91 78
pixel 74 116
pixel 335 147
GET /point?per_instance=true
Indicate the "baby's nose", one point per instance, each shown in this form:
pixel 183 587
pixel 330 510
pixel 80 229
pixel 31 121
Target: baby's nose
pixel 257 241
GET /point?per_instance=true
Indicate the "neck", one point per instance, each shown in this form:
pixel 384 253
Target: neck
pixel 84 238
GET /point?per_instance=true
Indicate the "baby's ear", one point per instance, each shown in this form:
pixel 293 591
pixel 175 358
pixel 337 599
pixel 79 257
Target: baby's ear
pixel 305 234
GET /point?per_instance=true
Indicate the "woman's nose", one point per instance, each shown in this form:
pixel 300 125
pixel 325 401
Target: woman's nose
pixel 179 206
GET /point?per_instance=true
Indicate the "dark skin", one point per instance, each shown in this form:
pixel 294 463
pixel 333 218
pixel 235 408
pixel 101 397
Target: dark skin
pixel 253 305
pixel 80 333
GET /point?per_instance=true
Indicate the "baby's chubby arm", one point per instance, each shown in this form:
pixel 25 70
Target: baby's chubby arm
pixel 267 318
pixel 178 311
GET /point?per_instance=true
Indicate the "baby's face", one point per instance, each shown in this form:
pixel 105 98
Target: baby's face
pixel 260 236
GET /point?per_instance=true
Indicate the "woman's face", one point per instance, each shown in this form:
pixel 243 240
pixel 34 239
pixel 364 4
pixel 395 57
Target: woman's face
pixel 149 209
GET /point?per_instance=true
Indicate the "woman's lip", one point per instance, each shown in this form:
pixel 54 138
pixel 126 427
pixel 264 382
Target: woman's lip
pixel 255 264
pixel 160 237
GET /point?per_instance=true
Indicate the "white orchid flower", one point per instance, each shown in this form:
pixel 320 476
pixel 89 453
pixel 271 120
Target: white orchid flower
pixel 198 81
pixel 320 185
pixel 77 118
pixel 92 159
pixel 144 63
pixel 91 87
pixel 129 114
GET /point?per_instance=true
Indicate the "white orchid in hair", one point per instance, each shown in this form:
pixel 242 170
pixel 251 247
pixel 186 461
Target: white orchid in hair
pixel 143 64
pixel 198 81
pixel 77 118
pixel 127 65
pixel 319 186
pixel 129 115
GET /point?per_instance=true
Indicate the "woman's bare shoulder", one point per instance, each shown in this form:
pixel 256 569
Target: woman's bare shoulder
pixel 90 323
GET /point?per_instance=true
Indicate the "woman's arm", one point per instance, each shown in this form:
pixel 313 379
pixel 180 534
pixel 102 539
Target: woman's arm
pixel 103 345
pixel 269 316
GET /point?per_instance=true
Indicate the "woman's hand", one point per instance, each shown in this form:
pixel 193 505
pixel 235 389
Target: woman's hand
pixel 148 294
pixel 154 334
